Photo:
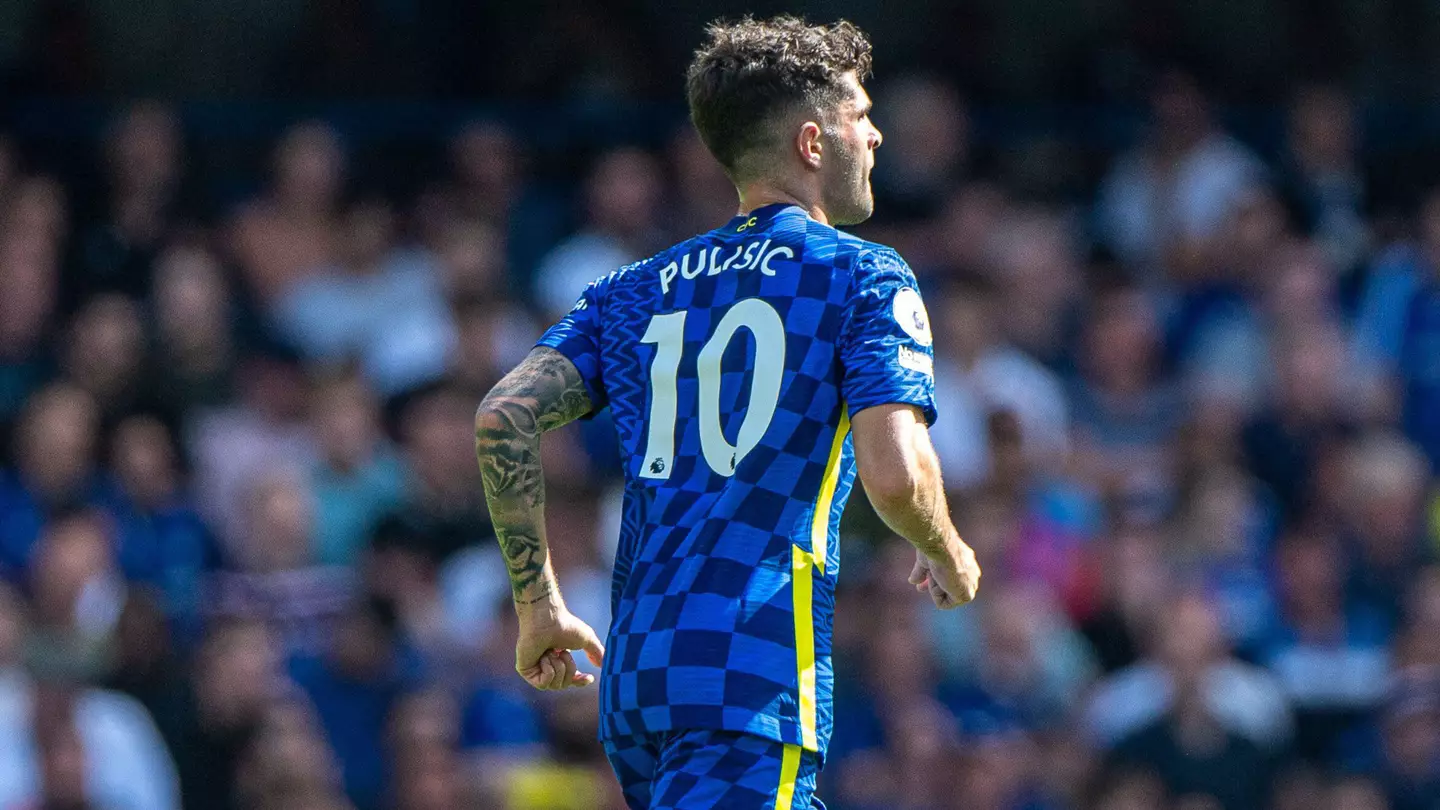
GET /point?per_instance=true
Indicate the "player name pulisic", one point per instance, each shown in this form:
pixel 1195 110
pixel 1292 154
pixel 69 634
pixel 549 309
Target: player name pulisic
pixel 756 254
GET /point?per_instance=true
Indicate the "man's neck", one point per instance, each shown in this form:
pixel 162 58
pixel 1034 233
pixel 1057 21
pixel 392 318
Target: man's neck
pixel 759 195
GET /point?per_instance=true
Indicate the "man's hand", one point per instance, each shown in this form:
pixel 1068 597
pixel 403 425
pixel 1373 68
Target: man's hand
pixel 951 582
pixel 542 654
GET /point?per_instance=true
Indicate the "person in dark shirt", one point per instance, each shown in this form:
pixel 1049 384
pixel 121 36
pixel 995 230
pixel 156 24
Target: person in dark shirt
pixel 235 677
pixel 353 689
pixel 1193 754
pixel 54 471
pixel 164 544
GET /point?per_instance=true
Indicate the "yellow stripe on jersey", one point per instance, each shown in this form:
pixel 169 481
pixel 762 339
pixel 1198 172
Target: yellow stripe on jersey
pixel 789 771
pixel 802 583
pixel 820 523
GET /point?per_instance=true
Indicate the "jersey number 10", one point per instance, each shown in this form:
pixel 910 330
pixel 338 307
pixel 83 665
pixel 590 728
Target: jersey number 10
pixel 667 332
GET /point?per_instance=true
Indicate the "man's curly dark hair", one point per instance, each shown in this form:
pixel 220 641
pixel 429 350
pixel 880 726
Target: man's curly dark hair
pixel 750 72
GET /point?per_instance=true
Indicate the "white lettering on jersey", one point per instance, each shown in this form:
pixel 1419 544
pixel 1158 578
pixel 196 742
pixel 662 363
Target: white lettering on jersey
pixel 756 254
pixel 916 360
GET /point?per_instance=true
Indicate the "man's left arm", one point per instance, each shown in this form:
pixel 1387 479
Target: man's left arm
pixel 543 393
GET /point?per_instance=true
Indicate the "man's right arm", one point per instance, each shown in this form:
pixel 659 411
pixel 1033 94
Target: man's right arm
pixel 901 476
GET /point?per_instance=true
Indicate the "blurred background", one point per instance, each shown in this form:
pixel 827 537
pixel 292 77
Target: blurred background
pixel 260 259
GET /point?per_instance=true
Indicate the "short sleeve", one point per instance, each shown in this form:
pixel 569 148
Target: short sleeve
pixel 577 336
pixel 887 354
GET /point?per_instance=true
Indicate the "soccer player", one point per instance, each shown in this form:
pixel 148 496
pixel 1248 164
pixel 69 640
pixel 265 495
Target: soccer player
pixel 750 371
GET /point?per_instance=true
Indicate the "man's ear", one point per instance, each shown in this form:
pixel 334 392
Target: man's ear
pixel 807 144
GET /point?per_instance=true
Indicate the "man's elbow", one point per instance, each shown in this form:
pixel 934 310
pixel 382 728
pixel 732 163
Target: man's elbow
pixel 893 489
pixel 492 421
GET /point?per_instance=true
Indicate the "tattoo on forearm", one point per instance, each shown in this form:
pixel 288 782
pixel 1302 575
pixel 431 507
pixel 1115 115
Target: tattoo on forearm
pixel 543 393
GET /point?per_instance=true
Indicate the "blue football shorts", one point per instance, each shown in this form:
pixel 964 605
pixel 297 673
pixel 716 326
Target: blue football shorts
pixel 705 769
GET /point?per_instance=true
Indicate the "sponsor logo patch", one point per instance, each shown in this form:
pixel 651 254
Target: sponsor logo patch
pixel 916 360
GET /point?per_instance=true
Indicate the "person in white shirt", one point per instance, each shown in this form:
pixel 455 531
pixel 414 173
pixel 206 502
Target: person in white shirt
pixel 122 761
pixel 978 372
pixel 1163 202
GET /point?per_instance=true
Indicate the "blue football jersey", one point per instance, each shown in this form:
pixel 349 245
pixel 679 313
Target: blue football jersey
pixel 732 364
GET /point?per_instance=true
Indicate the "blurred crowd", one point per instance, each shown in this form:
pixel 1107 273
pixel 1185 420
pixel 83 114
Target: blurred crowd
pixel 1190 421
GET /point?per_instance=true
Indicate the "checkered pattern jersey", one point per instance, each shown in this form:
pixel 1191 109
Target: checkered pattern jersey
pixel 732 364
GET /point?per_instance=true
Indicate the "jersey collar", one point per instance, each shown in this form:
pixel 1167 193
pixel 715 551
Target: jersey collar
pixel 761 217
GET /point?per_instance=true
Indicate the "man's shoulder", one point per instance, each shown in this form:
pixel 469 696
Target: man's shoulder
pixel 854 254
pixel 877 263
pixel 647 267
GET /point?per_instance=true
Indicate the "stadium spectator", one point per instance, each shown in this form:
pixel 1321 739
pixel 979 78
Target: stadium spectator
pixel 1163 204
pixel 1216 335
pixel 927 145
pixel 979 372
pixel 621 205
pixel 1286 443
pixel 1417 645
pixel 1196 756
pixel 1402 754
pixel 29 290
pixel 963 235
pixel 1187 650
pixel 73 748
pixel 104 354
pixel 1126 414
pixel 489 184
pixel 54 470
pixel 493 335
pixel 37 208
pixel 234 680
pixel 1329 656
pixel 358 476
pixel 703 197
pixel 1026 667
pixel 144 166
pixel 471 260
pixel 1322 174
pixel 164 542
pixel 1394 329
pixel 1384 481
pixel 147 665
pixel 400 566
pixel 999 770
pixel 260 430
pixel 196 349
pixel 1035 261
pixel 381 304
pixel 1130 586
pixel 272 575
pixel 77 592
pixel 352 687
pixel 288 765
pixel 1219 536
pixel 899 724
pixel 422 739
pixel 292 231
pixel 442 495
